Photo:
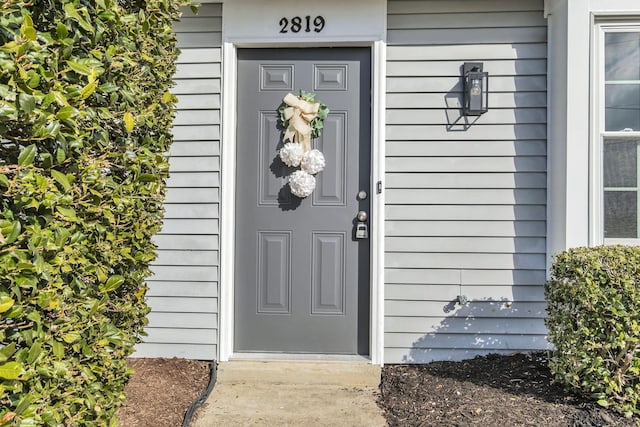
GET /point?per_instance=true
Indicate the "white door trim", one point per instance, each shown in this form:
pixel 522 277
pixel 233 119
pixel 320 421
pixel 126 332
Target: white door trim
pixel 228 187
pixel 227 200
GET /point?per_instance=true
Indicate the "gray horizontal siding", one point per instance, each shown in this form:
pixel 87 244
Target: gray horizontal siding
pixel 446 293
pixel 415 52
pixel 469 277
pixel 505 245
pixel 466 197
pixel 462 213
pixel 409 7
pixel 498 100
pixel 451 68
pixel 183 291
pixel 473 228
pixel 201 31
pixel 468 180
pixel 424 355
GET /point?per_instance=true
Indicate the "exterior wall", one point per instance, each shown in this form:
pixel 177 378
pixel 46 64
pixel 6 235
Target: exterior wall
pixel 184 289
pixel 465 200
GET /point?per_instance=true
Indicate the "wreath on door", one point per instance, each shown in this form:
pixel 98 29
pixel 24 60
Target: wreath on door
pixel 302 118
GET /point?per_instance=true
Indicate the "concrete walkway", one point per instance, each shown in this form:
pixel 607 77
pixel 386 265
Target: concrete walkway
pixel 293 393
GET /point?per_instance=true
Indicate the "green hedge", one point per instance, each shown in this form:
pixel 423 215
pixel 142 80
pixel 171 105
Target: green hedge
pixel 85 118
pixel 594 322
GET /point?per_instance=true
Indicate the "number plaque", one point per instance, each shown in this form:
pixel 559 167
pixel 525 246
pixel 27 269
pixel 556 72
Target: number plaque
pixel 299 24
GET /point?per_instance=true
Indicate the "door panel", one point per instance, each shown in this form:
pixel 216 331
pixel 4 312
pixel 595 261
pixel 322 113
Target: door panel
pixel 332 182
pixel 301 277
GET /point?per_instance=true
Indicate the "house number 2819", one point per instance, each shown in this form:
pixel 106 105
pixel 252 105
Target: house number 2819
pixel 306 24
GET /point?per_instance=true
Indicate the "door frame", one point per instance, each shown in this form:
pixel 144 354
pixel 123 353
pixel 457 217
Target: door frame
pixel 228 189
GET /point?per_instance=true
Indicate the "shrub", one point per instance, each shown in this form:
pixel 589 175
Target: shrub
pixel 594 322
pixel 85 118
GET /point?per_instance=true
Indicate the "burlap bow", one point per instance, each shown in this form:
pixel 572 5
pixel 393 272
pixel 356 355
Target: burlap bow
pixel 299 114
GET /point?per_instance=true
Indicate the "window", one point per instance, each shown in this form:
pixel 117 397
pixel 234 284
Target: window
pixel 619 133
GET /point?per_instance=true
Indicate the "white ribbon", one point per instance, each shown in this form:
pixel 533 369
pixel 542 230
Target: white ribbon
pixel 299 114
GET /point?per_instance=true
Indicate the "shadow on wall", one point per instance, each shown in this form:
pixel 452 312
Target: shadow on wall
pixel 505 308
pixel 453 101
pixel 480 327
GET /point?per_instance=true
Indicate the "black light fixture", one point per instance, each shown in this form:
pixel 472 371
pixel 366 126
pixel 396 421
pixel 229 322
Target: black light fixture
pixel 476 89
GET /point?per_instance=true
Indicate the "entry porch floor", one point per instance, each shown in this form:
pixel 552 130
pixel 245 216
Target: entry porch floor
pixel 293 393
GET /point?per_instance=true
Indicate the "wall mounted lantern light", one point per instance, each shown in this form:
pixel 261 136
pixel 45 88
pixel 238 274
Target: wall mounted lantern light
pixel 476 89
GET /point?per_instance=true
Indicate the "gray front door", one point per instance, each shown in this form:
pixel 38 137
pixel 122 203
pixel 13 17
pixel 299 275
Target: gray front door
pixel 301 276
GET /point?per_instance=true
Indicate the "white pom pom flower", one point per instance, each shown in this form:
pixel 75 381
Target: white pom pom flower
pixel 302 184
pixel 291 154
pixel 313 162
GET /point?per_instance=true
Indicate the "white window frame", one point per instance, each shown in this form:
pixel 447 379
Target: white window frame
pixel 598 124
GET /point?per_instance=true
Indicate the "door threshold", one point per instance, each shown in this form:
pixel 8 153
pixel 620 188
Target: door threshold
pixel 300 357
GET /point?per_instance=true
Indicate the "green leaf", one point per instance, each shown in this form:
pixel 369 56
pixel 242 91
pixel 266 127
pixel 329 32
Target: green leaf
pixel 147 177
pixel 23 405
pixel 35 316
pixel 71 337
pixel 108 87
pixel 40 264
pixel 88 90
pixel 61 31
pixel 61 179
pixel 62 234
pixel 26 29
pixel 67 213
pixel 6 303
pixel 7 351
pixel 4 181
pixel 8 109
pixel 11 370
pixel 34 80
pixel 47 160
pixel 27 102
pixel 26 281
pixel 76 237
pixel 73 13
pixel 66 112
pixel 52 129
pixel 79 68
pixel 112 284
pixel 58 349
pixel 15 232
pixel 129 123
pixel 61 155
pixel 34 352
pixel 27 156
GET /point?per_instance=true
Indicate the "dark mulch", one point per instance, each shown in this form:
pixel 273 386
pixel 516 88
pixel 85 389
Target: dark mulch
pixel 161 391
pixel 495 390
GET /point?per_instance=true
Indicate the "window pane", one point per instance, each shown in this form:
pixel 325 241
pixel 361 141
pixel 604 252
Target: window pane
pixel 620 215
pixel 622 107
pixel 619 163
pixel 622 56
